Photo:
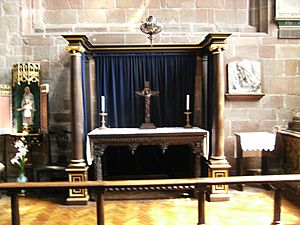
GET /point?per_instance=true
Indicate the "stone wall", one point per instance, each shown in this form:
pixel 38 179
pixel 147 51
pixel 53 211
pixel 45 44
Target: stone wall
pixel 31 31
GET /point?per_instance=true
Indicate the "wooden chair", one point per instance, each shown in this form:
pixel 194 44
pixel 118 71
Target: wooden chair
pixel 56 171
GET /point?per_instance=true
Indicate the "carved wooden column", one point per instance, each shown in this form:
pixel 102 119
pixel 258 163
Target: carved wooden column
pixel 204 91
pixel 217 164
pixel 93 94
pixel 77 169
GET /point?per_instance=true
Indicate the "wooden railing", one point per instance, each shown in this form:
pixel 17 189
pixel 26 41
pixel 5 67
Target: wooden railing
pixel 200 185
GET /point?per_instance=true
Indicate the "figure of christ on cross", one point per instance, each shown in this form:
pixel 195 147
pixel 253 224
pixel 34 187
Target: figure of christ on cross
pixel 147 93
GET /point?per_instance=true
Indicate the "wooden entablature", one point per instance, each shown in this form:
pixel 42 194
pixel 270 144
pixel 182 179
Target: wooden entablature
pixel 212 40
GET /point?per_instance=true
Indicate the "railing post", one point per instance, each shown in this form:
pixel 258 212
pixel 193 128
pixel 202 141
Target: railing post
pixel 277 206
pixel 201 205
pixel 15 216
pixel 100 206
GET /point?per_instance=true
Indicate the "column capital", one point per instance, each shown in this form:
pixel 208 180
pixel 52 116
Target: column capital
pixel 214 43
pixel 75 49
pixel 217 48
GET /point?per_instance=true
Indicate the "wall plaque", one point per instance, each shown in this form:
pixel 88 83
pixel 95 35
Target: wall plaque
pixel 287 16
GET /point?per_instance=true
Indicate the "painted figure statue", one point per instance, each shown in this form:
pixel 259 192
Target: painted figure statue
pixel 27 107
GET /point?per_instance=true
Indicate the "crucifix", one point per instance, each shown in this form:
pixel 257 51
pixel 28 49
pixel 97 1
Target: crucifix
pixel 147 93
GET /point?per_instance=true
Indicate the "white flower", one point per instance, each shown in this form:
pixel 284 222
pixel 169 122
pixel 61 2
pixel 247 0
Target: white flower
pixel 23 151
pixel 20 158
pixel 19 155
pixel 15 161
pixel 19 144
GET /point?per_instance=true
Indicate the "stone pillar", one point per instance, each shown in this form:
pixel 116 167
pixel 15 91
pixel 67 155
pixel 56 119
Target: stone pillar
pixel 77 169
pixel 214 85
pixel 218 165
pixel 218 102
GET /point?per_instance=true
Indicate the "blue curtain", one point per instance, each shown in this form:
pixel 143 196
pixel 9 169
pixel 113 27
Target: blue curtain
pixel 119 76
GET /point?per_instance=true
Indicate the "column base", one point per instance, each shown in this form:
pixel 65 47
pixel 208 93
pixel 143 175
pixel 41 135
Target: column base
pixel 78 196
pixel 218 168
pixel 218 197
pixel 77 163
pixel 77 201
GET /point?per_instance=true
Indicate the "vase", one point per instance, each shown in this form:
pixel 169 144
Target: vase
pixel 22 178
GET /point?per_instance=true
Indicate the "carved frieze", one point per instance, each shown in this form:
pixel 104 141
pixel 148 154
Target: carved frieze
pixel 163 141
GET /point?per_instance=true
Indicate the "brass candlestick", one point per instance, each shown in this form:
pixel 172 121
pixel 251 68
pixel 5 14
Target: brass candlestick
pixel 188 125
pixel 103 114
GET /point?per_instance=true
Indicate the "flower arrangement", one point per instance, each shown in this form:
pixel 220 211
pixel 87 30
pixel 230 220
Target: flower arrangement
pixel 20 158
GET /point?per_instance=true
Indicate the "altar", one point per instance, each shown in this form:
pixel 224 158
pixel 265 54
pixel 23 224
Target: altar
pixel 99 139
pixel 121 91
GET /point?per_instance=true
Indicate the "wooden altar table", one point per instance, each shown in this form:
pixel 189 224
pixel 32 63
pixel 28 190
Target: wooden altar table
pixel 98 140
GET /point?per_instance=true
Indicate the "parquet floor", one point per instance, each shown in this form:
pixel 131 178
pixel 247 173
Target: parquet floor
pixel 253 206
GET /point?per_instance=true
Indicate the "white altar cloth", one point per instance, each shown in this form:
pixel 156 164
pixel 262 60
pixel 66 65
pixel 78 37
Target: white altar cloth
pixel 256 141
pixel 160 130
pixel 131 131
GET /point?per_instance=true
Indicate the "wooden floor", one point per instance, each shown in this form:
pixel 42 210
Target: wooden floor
pixel 252 206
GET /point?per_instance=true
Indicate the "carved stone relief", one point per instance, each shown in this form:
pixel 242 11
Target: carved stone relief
pixel 244 77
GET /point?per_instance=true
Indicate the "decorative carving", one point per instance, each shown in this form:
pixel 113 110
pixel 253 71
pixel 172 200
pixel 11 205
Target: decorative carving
pixel 98 167
pixel 77 195
pixel 133 147
pixel 26 97
pixel 221 188
pixel 198 149
pixel 44 88
pixel 143 140
pixel 26 73
pixel 164 147
pixel 99 149
pixel 151 27
pixel 5 90
pixel 5 108
pixel 244 77
pixel 216 48
pixel 73 49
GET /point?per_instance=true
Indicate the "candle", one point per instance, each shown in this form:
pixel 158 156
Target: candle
pixel 102 104
pixel 187 102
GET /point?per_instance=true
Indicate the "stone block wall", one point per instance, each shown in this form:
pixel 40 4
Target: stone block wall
pixel 31 31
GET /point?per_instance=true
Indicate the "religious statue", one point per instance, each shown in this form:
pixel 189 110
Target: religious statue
pixel 27 107
pixel 27 112
pixel 147 93
pixel 28 116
